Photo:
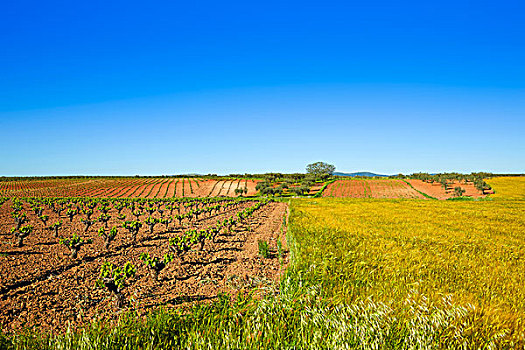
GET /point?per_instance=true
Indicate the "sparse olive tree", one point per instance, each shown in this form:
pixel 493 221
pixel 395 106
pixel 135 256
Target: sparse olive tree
pixel 458 191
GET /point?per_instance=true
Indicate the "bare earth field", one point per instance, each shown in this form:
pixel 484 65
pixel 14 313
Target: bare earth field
pixel 370 189
pixel 394 188
pixel 41 285
pixel 435 189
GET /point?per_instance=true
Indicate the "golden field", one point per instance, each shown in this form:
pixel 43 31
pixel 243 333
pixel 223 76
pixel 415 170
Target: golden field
pixel 508 187
pixel 472 252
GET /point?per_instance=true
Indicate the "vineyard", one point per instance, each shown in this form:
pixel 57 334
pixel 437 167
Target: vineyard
pixel 72 260
pixel 129 188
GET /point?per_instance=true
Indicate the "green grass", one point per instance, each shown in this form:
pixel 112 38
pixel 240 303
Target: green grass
pixel 264 250
pixel 321 190
pixel 421 193
pixel 295 318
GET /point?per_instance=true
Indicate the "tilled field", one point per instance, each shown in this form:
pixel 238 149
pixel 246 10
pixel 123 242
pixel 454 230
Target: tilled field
pixel 128 188
pixel 436 190
pixel 394 188
pixel 42 285
pixel 371 189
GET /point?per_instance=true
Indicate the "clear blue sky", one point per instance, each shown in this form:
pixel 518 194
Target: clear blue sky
pixel 126 87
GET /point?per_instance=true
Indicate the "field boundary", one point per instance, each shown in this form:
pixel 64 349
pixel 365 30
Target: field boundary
pixel 321 190
pixel 422 193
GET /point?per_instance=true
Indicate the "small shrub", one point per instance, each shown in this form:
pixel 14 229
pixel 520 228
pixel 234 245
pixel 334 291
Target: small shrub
pixel 87 224
pixel 104 218
pixel 151 222
pixel 179 245
pixel 113 278
pixel 133 227
pixel 71 214
pixel 108 236
pixel 154 264
pixel 74 244
pixel 55 227
pixel 264 250
pixel 22 233
pixel 20 219
pixel 458 191
pixel 44 218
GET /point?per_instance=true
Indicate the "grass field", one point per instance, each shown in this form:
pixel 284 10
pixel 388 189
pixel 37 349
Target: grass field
pixel 392 250
pixel 512 188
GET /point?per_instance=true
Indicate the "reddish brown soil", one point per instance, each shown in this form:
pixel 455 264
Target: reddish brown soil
pixel 234 184
pixel 392 189
pixel 371 189
pixel 126 191
pixel 148 189
pixel 127 188
pixel 251 184
pixel 436 190
pixel 216 189
pixel 179 186
pixel 152 193
pixel 242 184
pixel 164 192
pixel 138 190
pixel 171 189
pixel 228 188
pixel 41 285
pixel 188 188
pixel 346 188
pixel 203 188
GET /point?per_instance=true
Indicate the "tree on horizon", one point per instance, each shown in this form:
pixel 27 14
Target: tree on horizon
pixel 320 168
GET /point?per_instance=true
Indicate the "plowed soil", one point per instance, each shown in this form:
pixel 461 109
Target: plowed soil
pixel 371 189
pixel 127 188
pixel 435 189
pixel 41 285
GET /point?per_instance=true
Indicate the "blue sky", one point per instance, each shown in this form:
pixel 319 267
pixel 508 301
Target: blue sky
pixel 232 87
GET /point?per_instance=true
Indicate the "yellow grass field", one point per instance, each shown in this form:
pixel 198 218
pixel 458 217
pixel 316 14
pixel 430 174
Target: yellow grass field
pixel 508 187
pixel 388 250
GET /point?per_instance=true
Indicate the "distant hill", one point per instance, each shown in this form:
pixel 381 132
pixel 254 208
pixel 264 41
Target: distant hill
pixel 363 173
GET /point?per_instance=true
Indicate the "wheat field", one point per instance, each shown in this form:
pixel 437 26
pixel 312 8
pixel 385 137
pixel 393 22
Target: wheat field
pixel 471 253
pixel 509 188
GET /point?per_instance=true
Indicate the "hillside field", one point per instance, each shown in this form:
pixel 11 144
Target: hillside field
pixel 127 187
pixel 397 188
